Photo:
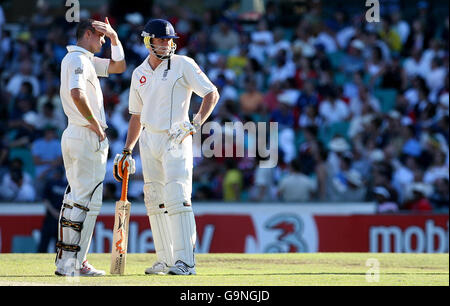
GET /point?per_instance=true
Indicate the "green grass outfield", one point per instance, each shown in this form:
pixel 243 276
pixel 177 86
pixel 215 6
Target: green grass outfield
pixel 293 269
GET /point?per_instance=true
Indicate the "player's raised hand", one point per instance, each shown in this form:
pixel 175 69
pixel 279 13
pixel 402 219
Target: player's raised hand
pixel 105 28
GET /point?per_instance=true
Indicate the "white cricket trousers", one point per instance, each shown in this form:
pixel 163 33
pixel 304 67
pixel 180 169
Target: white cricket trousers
pixel 84 159
pixel 167 170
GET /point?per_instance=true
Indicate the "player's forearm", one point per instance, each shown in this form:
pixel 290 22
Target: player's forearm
pixel 118 64
pixel 114 40
pixel 81 103
pixel 207 106
pixel 134 131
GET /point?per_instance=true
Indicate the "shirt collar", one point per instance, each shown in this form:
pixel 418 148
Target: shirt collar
pixel 148 67
pixel 74 48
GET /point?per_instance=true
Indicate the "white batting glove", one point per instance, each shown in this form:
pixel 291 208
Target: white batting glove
pixel 181 130
pixel 120 163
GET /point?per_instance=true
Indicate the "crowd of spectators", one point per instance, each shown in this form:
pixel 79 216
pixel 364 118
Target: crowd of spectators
pixel 362 108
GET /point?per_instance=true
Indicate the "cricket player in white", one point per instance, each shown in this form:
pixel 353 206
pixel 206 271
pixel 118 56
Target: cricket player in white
pixel 160 93
pixel 84 143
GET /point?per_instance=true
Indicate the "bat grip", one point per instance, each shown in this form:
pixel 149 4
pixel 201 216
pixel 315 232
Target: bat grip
pixel 123 196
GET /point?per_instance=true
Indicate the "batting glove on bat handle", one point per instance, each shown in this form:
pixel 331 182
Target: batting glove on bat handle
pixel 120 164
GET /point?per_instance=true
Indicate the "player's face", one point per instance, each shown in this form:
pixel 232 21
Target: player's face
pixel 162 45
pixel 97 40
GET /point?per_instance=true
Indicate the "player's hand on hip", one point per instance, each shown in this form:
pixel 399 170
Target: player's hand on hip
pixel 181 130
pixel 121 162
pixel 97 129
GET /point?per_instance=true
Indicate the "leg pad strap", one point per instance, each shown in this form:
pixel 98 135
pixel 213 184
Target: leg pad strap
pixel 77 226
pixel 67 247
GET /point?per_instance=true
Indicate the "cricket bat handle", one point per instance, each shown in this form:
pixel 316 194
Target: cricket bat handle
pixel 123 196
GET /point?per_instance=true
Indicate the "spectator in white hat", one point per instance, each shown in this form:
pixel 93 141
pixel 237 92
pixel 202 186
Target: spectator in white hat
pixel 418 200
pixel 383 200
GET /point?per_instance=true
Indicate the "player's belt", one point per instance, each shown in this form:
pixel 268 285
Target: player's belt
pixel 84 126
pixel 148 128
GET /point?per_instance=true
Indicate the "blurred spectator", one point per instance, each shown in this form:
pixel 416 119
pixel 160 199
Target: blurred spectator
pixel 353 60
pixel 251 100
pixel 41 20
pixel 438 170
pixel 283 69
pixel 303 41
pixel 326 39
pixel 413 65
pixel 296 186
pixel 418 201
pixel 232 181
pixel 224 38
pixel 440 196
pixel 24 75
pixel 53 196
pixel 363 99
pixel 412 145
pixel 417 39
pixel 283 114
pixel 382 198
pixel 46 152
pixel 271 96
pixel 309 117
pixel 309 150
pixel 332 109
pixel 436 75
pixel 279 43
pixel 400 26
pixel 50 117
pixel 261 40
pixel 17 185
pixel 393 75
pixel 263 183
pixel 403 174
pixel 346 185
pixel 338 146
pixel 22 124
pixel 390 35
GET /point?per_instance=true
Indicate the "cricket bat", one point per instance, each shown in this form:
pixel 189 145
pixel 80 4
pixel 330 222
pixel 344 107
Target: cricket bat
pixel 120 232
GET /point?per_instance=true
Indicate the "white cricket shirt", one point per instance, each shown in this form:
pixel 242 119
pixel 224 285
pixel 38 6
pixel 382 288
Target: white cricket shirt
pixel 162 97
pixel 81 69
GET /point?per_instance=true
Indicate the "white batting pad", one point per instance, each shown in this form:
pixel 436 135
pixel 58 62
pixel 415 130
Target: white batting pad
pixel 184 235
pixel 153 198
pixel 162 238
pixel 86 233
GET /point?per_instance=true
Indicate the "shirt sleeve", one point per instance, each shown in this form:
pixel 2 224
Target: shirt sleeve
pixel 197 79
pixel 101 66
pixel 134 102
pixel 77 73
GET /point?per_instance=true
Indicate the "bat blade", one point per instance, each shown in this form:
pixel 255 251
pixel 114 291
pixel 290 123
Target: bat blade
pixel 120 237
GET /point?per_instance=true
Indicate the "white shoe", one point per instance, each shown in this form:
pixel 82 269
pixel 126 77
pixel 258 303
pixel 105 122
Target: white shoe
pixel 159 268
pixel 181 268
pixel 66 268
pixel 88 270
